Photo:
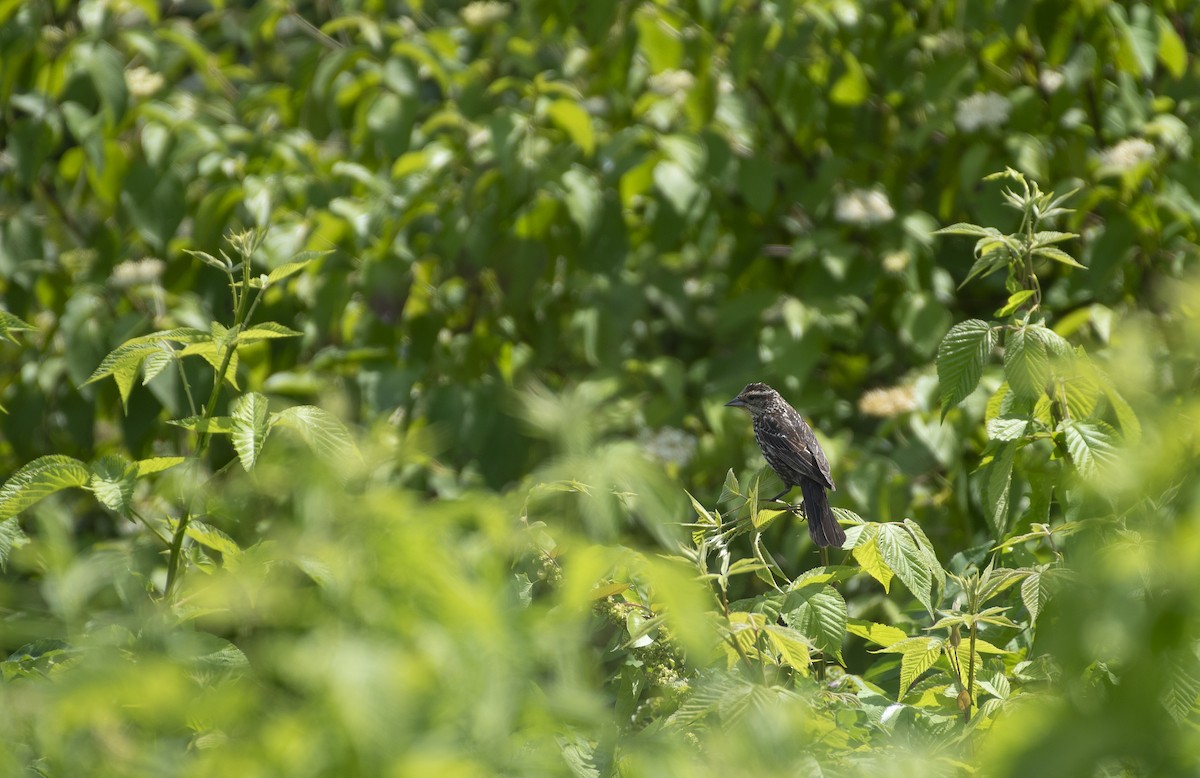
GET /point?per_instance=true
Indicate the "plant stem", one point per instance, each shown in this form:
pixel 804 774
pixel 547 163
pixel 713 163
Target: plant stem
pixel 174 569
pixel 971 674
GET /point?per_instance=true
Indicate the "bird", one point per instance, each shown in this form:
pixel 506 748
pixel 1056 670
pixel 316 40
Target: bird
pixel 792 451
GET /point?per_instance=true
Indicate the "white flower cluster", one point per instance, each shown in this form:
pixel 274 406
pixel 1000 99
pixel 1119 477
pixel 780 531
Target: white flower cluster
pixel 1127 154
pixel 670 445
pixel 142 81
pixel 671 82
pixel 864 207
pixel 484 13
pixel 887 402
pixel 137 272
pixel 984 109
pixel 1051 80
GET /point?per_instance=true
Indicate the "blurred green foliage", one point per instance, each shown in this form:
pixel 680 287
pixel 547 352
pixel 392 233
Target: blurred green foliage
pixel 528 250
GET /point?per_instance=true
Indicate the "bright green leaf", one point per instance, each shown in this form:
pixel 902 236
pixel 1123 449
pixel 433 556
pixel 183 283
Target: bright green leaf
pixel 39 479
pixel 250 428
pixel 960 360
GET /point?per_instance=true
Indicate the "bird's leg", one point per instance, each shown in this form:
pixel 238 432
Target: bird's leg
pixel 790 507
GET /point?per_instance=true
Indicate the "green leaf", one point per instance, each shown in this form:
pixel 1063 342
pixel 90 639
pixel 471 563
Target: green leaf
pixel 1046 237
pixel 1004 428
pixel 791 645
pixel 1035 592
pixel 250 427
pixel 910 564
pixel 1172 52
pixel 112 482
pixel 818 611
pixel 10 324
pixel 916 656
pixel 1026 363
pixel 288 269
pixel 214 354
pixel 583 198
pixel 157 464
pixel 866 553
pixel 879 634
pixel 123 364
pixel 973 230
pixel 960 359
pixel 1131 428
pixel 1091 445
pixel 998 487
pixel 265 331
pixel 11 537
pixel 676 185
pixel 217 425
pixel 1015 301
pixel 211 537
pixel 321 430
pixel 39 479
pixel 576 122
pixel 852 87
pixel 1058 255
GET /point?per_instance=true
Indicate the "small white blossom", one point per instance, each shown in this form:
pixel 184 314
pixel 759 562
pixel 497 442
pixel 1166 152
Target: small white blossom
pixel 671 82
pixel 894 262
pixel 984 109
pixel 137 272
pixel 484 13
pixel 1051 80
pixel 864 207
pixel 1127 154
pixel 887 402
pixel 670 445
pixel 142 81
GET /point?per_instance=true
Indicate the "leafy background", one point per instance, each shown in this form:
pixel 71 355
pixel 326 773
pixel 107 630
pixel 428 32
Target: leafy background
pixel 554 239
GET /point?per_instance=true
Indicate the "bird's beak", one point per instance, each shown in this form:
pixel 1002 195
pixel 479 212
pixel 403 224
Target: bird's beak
pixel 736 402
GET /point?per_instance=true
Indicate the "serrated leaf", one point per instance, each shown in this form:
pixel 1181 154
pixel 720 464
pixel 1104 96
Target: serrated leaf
pixel 791 645
pixel 210 260
pixel 926 548
pixel 288 269
pixel 1005 428
pixel 39 479
pixel 11 537
pixel 879 634
pixel 183 335
pixel 1091 445
pixel 211 537
pixel 960 359
pixel 701 511
pixel 985 265
pixel 1046 237
pixel 963 228
pixel 731 487
pixel 818 611
pixel 155 363
pixel 213 353
pixel 265 331
pixel 1026 364
pixel 10 324
pixel 1035 592
pixel 901 554
pixel 217 425
pixel 1131 428
pixel 157 464
pixel 916 656
pixel 999 486
pixel 112 482
pixel 123 364
pixel 1015 301
pixel 871 561
pixel 321 430
pixel 1058 255
pixel 250 427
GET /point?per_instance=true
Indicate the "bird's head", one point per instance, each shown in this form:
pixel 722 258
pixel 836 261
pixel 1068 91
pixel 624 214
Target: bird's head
pixel 756 398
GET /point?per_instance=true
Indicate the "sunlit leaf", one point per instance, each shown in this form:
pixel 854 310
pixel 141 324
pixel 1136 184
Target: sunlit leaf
pixel 39 479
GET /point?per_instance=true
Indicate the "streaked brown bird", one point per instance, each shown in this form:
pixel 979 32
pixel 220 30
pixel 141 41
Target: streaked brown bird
pixel 792 451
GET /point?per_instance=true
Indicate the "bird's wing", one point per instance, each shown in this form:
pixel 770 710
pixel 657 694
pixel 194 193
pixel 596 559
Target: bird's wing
pixel 791 448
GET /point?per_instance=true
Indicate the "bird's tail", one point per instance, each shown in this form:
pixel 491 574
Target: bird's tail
pixel 822 526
